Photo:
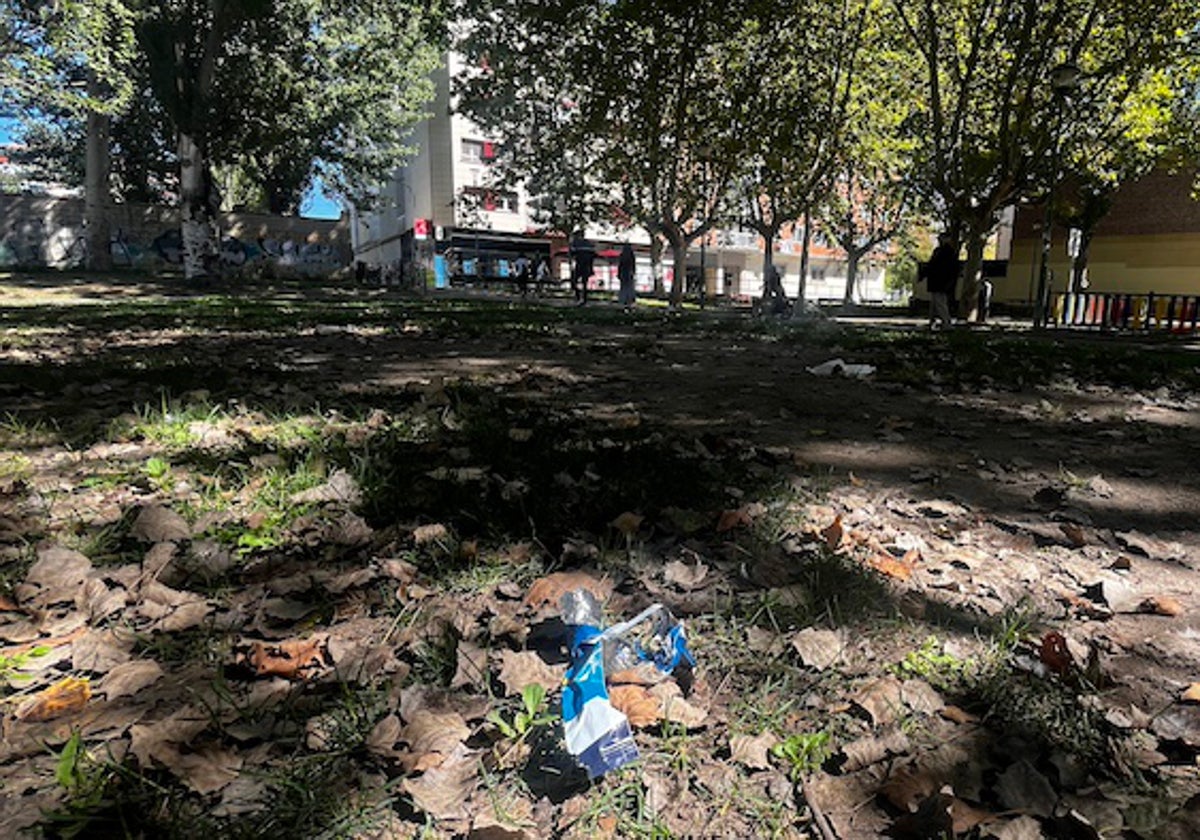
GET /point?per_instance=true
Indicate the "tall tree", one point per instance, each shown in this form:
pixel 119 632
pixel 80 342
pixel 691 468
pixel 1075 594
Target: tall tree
pixel 285 89
pixel 986 118
pixel 793 69
pixel 71 58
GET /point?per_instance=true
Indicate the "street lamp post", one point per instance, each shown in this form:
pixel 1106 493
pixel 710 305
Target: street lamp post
pixel 1064 79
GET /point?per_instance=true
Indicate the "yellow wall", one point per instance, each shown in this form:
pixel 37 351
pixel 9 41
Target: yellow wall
pixel 1163 263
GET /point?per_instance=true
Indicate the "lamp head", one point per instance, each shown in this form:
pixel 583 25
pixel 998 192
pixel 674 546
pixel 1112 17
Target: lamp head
pixel 1064 78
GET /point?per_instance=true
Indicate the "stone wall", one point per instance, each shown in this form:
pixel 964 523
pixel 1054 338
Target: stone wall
pixel 37 231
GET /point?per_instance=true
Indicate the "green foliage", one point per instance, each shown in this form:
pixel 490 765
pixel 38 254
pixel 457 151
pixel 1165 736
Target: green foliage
pixel 803 752
pixel 532 714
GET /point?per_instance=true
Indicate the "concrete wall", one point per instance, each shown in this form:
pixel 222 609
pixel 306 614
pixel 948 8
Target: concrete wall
pixel 1149 242
pixel 48 232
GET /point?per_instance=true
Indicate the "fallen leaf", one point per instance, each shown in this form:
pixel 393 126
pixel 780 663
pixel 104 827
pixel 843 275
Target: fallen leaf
pixel 1074 534
pixel 818 649
pixel 1054 653
pixel 384 735
pixel 882 700
pixel 1162 605
pixel 965 816
pixel 519 669
pixel 157 524
pixel 871 750
pixel 471 668
pixel 753 750
pixel 628 523
pixel 893 567
pixel 206 770
pixel 637 703
pixel 129 678
pixel 685 576
pixel 833 534
pixel 855 481
pixel 551 588
pixel 432 736
pixel 1191 694
pixel 909 787
pixel 293 659
pixel 65 696
pixel 730 519
pixel 425 534
pixel 675 708
pixel 1023 788
pixel 442 792
pixel 954 714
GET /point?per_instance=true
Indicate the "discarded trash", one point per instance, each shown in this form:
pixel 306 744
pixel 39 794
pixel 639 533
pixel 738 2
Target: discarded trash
pixel 839 367
pixel 597 734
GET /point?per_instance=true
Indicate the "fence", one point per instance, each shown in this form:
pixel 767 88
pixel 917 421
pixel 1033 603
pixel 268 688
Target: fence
pixel 1116 311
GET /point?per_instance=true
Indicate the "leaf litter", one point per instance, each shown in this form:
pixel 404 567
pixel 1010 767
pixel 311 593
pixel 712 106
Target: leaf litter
pixel 267 601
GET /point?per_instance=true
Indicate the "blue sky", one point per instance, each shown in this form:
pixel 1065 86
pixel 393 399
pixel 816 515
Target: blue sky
pixel 317 203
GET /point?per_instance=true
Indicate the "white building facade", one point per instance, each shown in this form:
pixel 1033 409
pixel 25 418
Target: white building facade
pixel 442 218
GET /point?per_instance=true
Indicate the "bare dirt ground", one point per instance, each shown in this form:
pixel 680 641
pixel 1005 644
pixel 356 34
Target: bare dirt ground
pixel 264 545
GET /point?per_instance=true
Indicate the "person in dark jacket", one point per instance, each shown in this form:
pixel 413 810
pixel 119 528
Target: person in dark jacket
pixel 941 273
pixel 583 253
pixel 626 267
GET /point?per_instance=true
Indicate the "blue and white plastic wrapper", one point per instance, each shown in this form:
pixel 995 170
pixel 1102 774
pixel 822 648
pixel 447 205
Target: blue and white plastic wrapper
pixel 597 734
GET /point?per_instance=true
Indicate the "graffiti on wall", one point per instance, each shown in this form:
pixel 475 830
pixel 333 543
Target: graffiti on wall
pixel 30 244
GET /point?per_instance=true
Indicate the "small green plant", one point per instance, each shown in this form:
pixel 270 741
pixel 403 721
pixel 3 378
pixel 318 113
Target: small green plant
pixel 803 752
pixel 158 471
pixel 10 666
pixel 930 663
pixel 531 714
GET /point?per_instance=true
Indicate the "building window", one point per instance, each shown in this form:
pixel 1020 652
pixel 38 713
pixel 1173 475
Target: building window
pixel 478 151
pixel 493 201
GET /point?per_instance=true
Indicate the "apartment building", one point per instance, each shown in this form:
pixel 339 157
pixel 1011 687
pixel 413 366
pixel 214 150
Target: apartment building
pixel 443 215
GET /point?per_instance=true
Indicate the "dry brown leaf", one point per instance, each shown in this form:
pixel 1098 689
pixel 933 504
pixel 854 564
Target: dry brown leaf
pixel 855 481
pixel 954 714
pixel 637 703
pixel 871 750
pixel 966 816
pixel 65 696
pixel 155 524
pixel 628 523
pixel 1055 654
pixel 1162 605
pixel 685 576
pixel 206 770
pixel 909 787
pixel 443 791
pixel 129 678
pixel 833 534
pixel 519 669
pixel 730 519
pixel 893 567
pixel 384 735
pixel 293 659
pixel 551 588
pixel 472 665
pixel 752 750
pixel 1074 534
pixel 882 700
pixel 1191 694
pixel 425 534
pixel 433 735
pixel 630 676
pixel 675 708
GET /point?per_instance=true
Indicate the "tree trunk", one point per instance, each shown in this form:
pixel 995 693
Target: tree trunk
pixel 852 258
pixel 196 222
pixel 96 183
pixel 656 264
pixel 968 300
pixel 805 242
pixel 768 252
pixel 679 260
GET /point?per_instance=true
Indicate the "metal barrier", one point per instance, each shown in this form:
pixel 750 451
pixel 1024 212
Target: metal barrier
pixel 1116 311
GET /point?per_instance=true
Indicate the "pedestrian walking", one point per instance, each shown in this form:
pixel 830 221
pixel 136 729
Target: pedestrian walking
pixel 522 268
pixel 583 254
pixel 941 275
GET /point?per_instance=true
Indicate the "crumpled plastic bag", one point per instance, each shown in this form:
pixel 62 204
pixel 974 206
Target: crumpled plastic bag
pixel 598 734
pixel 839 367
